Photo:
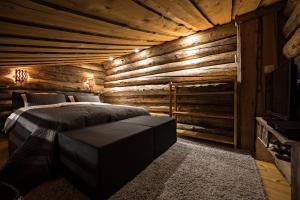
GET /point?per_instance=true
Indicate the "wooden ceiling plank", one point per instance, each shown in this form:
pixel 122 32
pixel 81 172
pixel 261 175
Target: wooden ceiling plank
pixel 182 11
pixel 61 55
pixel 217 11
pixel 164 11
pixel 16 59
pixel 66 50
pixel 10 40
pixel 32 12
pixel 47 63
pixel 241 7
pixel 124 12
pixel 31 31
pixel 87 66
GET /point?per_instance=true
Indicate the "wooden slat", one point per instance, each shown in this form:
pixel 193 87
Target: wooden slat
pixel 218 11
pixel 216 131
pixel 206 136
pixel 204 93
pixel 209 115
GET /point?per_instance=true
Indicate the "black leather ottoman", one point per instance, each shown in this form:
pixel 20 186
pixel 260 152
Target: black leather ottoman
pixel 164 131
pixel 105 157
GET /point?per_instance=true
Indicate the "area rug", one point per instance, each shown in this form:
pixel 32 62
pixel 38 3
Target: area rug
pixel 187 171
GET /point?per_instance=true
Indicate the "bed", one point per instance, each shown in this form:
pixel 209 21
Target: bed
pixel 32 133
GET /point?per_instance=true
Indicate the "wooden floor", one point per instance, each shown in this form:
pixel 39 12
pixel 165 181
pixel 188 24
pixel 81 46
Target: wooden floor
pixel 275 186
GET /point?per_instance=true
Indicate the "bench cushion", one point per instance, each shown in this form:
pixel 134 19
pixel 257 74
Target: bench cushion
pixel 164 131
pixel 105 157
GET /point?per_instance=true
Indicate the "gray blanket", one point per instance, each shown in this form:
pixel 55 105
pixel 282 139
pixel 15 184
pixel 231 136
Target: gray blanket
pixel 32 138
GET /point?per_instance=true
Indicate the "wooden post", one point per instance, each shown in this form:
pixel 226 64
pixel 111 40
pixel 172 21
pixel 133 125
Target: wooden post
pixel 170 98
pixel 295 171
pixel 235 120
pixel 175 103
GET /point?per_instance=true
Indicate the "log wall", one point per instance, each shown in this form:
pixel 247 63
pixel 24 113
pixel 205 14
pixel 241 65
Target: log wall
pixel 142 79
pixel 291 31
pixel 48 78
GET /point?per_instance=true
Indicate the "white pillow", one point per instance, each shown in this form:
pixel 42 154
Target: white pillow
pixel 24 98
pixel 71 98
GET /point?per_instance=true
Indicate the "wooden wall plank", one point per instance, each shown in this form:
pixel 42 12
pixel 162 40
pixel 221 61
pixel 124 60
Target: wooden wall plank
pixel 143 80
pixel 218 33
pixel 293 22
pixel 292 47
pixel 227 57
pixel 198 51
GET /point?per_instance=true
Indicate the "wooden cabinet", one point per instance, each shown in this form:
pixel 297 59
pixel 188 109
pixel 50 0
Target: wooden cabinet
pixel 290 170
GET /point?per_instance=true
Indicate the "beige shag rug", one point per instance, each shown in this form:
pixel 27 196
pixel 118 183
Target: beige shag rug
pixel 187 171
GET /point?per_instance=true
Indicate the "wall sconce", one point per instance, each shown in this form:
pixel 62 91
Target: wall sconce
pixel 90 82
pixel 21 75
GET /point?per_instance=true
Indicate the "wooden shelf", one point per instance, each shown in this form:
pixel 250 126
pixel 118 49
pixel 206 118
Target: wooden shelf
pixel 206 136
pixel 276 134
pixel 204 93
pixel 174 94
pixel 290 170
pixel 203 115
pixel 283 166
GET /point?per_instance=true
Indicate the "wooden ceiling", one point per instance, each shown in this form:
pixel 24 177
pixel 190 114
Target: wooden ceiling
pixel 91 31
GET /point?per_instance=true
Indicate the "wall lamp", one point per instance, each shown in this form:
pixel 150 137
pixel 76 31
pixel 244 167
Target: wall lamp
pixel 90 82
pixel 21 76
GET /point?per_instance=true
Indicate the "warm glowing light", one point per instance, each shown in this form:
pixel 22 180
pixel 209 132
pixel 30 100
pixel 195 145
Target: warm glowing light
pixel 90 83
pixel 136 50
pixel 118 61
pixel 89 75
pixel 191 52
pixel 110 58
pixel 21 75
pixel 191 39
